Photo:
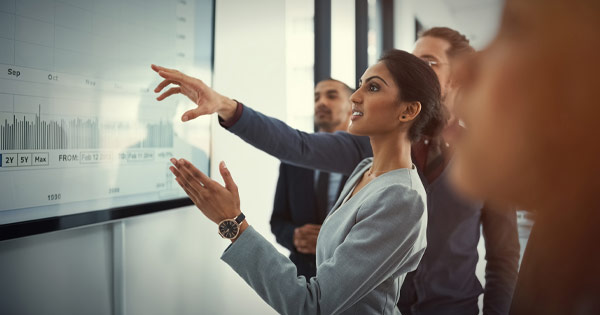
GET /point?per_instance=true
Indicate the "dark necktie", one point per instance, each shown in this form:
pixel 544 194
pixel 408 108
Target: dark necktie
pixel 322 192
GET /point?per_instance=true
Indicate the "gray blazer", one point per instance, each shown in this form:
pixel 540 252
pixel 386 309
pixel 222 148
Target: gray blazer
pixel 364 250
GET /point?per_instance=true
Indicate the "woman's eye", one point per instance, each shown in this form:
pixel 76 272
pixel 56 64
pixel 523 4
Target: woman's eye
pixel 373 88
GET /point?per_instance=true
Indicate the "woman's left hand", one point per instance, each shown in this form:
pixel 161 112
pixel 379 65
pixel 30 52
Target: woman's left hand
pixel 215 201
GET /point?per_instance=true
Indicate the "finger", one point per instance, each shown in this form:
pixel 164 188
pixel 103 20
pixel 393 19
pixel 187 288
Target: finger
pixel 169 92
pixel 195 113
pixel 189 186
pixel 193 179
pixel 163 84
pixel 227 178
pixel 186 178
pixel 174 169
pixel 187 191
pixel 302 250
pixel 308 249
pixel 158 68
pixel 175 172
pixel 189 167
pixel 308 229
pixel 299 232
pixel 311 233
pixel 173 75
pixel 192 195
pixel 313 227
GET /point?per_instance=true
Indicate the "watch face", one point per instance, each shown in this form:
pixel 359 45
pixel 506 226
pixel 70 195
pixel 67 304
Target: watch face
pixel 228 229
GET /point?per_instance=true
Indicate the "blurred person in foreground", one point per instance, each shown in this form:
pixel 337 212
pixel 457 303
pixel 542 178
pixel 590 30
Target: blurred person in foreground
pixel 531 108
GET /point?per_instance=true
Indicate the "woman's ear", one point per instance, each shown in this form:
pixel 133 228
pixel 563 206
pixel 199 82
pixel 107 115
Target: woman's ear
pixel 410 111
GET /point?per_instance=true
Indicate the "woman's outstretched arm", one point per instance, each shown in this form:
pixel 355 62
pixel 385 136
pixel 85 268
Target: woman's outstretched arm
pixel 338 152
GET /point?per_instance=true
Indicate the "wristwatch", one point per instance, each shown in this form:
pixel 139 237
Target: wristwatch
pixel 230 228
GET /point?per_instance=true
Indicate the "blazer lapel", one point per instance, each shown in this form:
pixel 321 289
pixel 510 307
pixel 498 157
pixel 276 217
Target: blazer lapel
pixel 350 183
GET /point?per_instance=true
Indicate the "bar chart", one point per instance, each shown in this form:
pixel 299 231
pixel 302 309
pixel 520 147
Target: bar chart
pixel 22 133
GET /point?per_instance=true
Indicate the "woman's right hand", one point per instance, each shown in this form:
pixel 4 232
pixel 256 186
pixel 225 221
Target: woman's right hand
pixel 207 100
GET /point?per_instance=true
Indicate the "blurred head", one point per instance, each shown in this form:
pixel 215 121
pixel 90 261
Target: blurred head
pixel 399 94
pixel 443 48
pixel 332 105
pixel 531 107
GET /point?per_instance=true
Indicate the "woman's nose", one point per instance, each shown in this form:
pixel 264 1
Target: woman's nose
pixel 356 97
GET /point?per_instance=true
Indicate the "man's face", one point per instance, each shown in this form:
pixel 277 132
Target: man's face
pixel 433 49
pixel 332 105
pixel 529 107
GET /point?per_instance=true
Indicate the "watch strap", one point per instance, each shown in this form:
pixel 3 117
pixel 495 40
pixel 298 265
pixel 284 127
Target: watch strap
pixel 240 218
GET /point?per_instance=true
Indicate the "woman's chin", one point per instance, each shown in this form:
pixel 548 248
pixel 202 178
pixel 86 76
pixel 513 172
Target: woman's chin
pixel 353 130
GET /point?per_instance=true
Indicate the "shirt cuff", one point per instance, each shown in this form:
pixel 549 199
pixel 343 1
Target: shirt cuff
pixel 231 121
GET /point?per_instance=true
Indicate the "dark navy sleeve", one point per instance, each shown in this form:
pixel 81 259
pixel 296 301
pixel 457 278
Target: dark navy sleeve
pixel 499 224
pixel 337 152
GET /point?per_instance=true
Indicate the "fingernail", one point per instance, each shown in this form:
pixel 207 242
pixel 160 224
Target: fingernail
pixel 184 118
pixel 223 164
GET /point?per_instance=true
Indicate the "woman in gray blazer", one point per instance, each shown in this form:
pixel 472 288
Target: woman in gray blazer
pixel 374 234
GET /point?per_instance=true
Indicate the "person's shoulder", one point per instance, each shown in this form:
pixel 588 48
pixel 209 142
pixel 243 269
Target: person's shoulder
pixel 398 193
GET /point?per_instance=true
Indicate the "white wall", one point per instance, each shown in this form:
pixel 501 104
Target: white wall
pixel 250 63
pixel 477 19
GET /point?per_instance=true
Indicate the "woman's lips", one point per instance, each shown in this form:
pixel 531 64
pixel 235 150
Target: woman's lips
pixel 356 115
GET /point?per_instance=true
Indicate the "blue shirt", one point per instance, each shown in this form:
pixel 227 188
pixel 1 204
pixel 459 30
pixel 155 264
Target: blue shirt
pixel 335 179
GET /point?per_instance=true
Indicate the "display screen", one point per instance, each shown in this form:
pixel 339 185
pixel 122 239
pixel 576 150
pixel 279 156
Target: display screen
pixel 80 127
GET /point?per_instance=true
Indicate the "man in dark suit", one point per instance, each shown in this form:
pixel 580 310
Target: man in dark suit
pixel 304 196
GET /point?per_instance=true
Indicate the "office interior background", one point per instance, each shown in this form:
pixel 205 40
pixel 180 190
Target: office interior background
pixel 266 54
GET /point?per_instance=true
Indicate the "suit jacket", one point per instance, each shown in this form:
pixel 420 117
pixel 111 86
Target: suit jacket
pixel 445 282
pixel 365 248
pixel 294 206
